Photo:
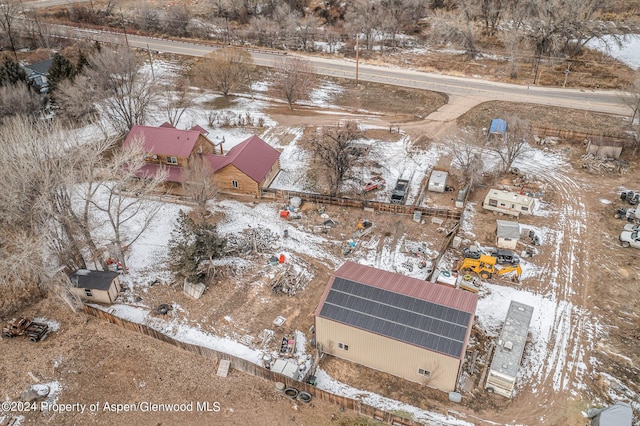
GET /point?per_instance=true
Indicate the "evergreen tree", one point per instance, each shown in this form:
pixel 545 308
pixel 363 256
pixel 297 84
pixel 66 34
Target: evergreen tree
pixel 11 73
pixel 193 243
pixel 61 69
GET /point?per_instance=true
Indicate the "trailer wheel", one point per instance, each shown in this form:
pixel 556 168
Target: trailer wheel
pixel 8 335
pixel 490 390
pixel 625 244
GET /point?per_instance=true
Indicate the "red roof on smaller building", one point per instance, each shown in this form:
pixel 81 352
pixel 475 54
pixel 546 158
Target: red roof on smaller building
pixel 165 140
pixel 253 157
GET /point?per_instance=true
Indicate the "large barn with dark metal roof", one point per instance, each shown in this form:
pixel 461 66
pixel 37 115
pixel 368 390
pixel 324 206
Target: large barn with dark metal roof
pixel 400 325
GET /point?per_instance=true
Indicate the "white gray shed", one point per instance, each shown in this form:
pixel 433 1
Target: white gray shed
pixel 618 414
pixel 507 234
pixel 438 181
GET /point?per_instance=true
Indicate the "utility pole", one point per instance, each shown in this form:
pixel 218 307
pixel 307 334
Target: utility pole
pixel 566 74
pixel 357 56
pixel 124 28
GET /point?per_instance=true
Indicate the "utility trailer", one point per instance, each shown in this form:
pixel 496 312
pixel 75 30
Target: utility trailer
pixel 399 194
pixel 22 326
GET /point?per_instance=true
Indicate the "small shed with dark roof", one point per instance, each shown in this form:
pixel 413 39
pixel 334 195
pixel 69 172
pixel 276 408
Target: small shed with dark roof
pixel 400 325
pixel 95 286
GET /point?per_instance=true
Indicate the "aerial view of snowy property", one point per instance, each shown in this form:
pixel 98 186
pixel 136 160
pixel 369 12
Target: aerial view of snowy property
pixel 319 213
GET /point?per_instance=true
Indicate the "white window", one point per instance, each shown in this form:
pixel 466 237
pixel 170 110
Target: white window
pixel 343 346
pixel 172 160
pixel 425 373
pixel 234 183
pixel 524 209
pixel 493 203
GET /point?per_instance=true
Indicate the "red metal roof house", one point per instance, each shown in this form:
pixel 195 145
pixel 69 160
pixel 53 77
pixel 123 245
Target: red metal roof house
pixel 245 169
pixel 396 324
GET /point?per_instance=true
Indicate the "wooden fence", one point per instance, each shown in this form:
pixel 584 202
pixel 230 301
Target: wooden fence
pixel 249 367
pixel 575 136
pixel 284 196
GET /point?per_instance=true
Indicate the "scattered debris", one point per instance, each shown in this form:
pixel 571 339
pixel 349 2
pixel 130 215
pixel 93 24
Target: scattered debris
pixel 287 345
pixel 596 164
pixel 252 240
pixel 223 368
pixel 279 321
pixel 288 281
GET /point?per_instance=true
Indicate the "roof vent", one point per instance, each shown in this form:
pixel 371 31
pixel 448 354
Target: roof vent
pixel 508 346
pixel 520 308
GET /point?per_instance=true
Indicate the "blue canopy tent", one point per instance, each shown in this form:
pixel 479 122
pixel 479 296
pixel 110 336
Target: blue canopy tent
pixel 498 126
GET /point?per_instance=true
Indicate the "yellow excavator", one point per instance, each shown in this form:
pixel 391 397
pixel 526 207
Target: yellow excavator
pixel 486 268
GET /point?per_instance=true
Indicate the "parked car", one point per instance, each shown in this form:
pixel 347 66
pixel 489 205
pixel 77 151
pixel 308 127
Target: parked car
pixel 472 252
pixel 631 227
pixel 630 239
pixel 507 256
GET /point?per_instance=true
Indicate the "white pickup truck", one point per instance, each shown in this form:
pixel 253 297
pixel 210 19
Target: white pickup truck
pixel 630 239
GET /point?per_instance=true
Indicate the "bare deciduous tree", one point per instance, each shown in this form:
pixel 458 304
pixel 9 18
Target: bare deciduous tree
pixel 17 99
pixel 226 70
pixel 293 79
pixel 9 11
pixel 335 155
pixel 458 27
pixel 177 101
pixel 514 144
pixel 177 20
pixel 122 90
pixel 75 103
pixel 198 183
pixel 467 149
pixel 123 196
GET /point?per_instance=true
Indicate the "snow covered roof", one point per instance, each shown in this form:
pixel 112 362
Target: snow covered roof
pixel 95 280
pixel 166 139
pixel 253 157
pixel 513 338
pixel 410 310
pixel 508 229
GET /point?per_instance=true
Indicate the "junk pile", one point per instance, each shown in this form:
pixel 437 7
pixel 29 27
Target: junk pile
pixel 288 281
pixel 602 165
pixel 252 240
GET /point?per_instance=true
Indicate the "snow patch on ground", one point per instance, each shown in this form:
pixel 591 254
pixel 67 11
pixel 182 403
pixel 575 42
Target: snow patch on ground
pixel 53 324
pixel 327 383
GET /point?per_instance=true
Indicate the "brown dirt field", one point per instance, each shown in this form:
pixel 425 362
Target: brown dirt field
pixel 102 362
pixel 543 116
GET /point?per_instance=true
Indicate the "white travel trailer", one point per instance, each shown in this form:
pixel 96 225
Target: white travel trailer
pixel 508 202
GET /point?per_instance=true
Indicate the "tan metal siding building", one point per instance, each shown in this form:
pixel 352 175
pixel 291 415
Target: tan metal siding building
pixel 396 324
pixel 387 355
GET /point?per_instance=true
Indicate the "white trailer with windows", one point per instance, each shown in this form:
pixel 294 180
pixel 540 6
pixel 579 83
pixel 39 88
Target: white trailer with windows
pixel 509 350
pixel 508 202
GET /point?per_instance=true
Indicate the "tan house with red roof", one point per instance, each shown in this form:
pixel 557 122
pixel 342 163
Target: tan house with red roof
pixel 245 169
pixel 410 328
